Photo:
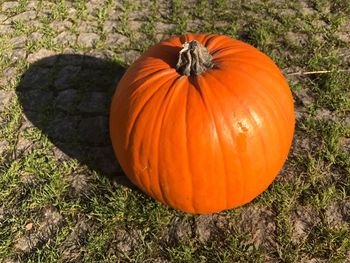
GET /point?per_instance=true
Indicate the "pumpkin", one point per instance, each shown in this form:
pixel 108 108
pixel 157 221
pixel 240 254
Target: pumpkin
pixel 202 122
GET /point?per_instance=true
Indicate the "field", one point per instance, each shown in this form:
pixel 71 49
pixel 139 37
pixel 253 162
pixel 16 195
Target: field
pixel 63 196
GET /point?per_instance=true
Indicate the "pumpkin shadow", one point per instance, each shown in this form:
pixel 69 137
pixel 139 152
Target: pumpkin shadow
pixel 68 98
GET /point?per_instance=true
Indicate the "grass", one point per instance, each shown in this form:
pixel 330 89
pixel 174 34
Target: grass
pixel 98 219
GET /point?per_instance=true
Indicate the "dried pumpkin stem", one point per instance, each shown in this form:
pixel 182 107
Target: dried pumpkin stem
pixel 194 59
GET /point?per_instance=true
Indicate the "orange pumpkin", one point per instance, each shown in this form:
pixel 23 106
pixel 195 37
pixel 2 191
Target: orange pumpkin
pixel 202 122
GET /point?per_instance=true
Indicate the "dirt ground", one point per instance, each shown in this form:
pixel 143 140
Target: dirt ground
pixel 63 195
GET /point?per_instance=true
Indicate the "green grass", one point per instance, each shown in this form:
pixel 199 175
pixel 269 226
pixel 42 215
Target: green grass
pixel 104 221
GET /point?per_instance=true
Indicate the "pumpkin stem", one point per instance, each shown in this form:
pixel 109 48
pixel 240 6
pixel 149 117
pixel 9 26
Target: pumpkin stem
pixel 194 59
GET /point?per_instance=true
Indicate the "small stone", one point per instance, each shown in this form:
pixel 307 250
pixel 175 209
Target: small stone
pixel 287 12
pixel 135 25
pixel 18 54
pixel 32 4
pixel 305 9
pixel 46 54
pixel 67 99
pixel 60 26
pixel 29 226
pixel 109 26
pixel 87 27
pixel 164 27
pixel 130 56
pixel 94 102
pixel 71 12
pixel 19 42
pixel 91 8
pixel 66 38
pixel 35 36
pixel 10 72
pixel 318 23
pixel 34 24
pixel 66 77
pixel 94 131
pixel 117 40
pixel 9 5
pixel 6 29
pixel 25 16
pixel 88 39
